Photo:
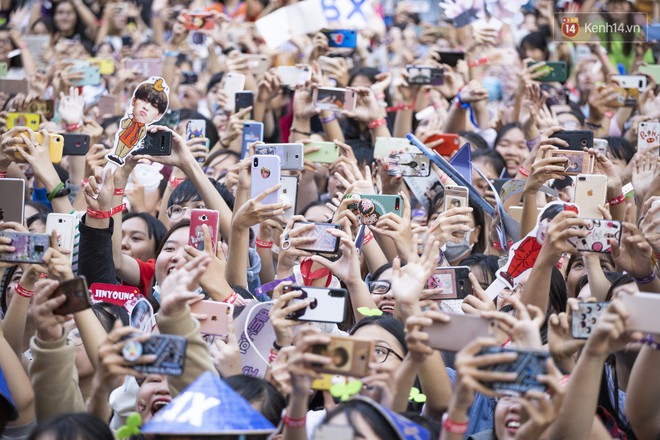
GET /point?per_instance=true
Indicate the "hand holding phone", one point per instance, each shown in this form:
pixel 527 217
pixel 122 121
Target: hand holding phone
pixel 77 296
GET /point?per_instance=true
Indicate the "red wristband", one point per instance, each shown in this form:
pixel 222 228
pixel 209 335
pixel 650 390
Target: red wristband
pixel 272 355
pixel 176 181
pixel 3 174
pixel 609 114
pixel 263 244
pixel 294 423
pixel 396 108
pixel 84 182
pixel 479 62
pixel 106 214
pixel 453 427
pixel 23 291
pixel 617 200
pixel 232 298
pixel 120 191
pixel 524 171
pixel 377 123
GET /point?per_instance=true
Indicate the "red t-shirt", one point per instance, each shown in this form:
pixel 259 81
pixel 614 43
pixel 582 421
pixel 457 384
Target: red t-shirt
pixel 147 271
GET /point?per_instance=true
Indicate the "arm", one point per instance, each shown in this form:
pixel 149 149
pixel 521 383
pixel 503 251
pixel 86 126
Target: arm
pixel 643 389
pixel 18 381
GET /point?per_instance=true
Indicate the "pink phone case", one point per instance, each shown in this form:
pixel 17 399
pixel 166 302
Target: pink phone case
pixel 217 317
pixel 199 217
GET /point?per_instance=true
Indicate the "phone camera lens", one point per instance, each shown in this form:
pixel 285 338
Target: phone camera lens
pixel 584 142
pixel 256 162
pixel 203 218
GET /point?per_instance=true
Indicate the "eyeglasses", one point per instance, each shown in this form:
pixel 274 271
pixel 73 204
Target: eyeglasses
pixel 382 353
pixel 379 287
pixel 176 212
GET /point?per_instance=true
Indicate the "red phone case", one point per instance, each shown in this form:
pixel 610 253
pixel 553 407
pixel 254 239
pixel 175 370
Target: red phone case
pixel 199 217
pixel 449 145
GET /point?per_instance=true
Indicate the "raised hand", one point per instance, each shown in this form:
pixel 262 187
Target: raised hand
pixel 179 287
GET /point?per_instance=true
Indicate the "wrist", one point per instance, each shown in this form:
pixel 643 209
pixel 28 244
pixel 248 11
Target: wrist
pixel 50 334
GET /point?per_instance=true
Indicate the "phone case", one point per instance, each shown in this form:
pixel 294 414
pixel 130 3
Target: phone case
pixel 106 66
pixel 291 75
pixel 217 317
pixel 528 365
pixel 454 282
pixel 65 226
pixel 45 107
pixel 257 64
pixel 328 305
pixel 30 248
pixel 195 129
pixel 456 197
pixel 77 296
pixel 234 82
pixel 75 144
pixel 601 145
pixel 291 155
pixel 577 139
pixel 450 144
pixel 408 165
pixel 555 71
pixel 333 98
pixel 156 144
pixel 460 331
pixel 265 174
pixel 638 82
pixel 584 318
pixel 590 191
pixel 289 194
pixel 642 312
pixel 199 217
pixel 328 153
pixel 451 58
pixel 578 162
pixel 30 120
pixel 91 76
pixel 648 135
pixel 12 199
pixel 170 352
pixel 371 207
pixel 252 132
pixel 350 356
pixel 325 242
pixel 55 147
pixel 600 231
pixel 243 100
pixel 385 146
pixel 425 75
pixel 345 38
pixel 195 21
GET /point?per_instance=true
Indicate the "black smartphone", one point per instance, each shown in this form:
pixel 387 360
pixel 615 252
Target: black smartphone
pixel 75 144
pixel 77 296
pixel 170 352
pixel 157 144
pixel 527 366
pixel 450 58
pixel 577 139
pixel 243 100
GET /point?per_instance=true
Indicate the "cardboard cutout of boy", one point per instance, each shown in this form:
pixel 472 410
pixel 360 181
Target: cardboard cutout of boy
pixel 149 104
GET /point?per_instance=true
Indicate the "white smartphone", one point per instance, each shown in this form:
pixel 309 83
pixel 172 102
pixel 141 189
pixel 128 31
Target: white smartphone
pixel 291 155
pixel 265 174
pixel 289 194
pixel 638 82
pixel 292 75
pixel 590 191
pixel 384 146
pixel 65 226
pixel 234 82
pixel 648 135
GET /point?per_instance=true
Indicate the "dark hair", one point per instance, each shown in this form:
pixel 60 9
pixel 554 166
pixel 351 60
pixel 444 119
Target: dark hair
pixel 391 325
pixel 475 139
pixel 211 131
pixel 504 130
pixel 186 192
pixel 215 79
pixel 155 228
pixel 41 208
pixel 492 158
pixel 109 121
pixel 560 184
pixel 147 93
pixel 257 390
pixel 376 421
pixel 378 272
pixel 38 217
pixel 553 211
pixel 487 263
pixel 620 148
pixel 311 205
pixel 618 281
pixel 79 426
pixel 185 223
pixel 217 153
pixel 369 72
pixel 534 40
pixel 611 277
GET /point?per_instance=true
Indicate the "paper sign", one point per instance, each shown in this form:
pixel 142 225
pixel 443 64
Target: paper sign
pixel 113 293
pixel 260 332
pixel 291 21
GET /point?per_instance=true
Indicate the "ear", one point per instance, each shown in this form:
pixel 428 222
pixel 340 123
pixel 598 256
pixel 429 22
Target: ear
pixel 476 233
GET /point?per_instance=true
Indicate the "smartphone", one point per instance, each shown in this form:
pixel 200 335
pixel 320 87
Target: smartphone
pixel 77 296
pixel 217 316
pixel 652 70
pixel 600 232
pixel 325 243
pixel 450 58
pixel 291 155
pixel 12 200
pixel 289 194
pixel 371 207
pixel 44 106
pixel 65 226
pixel 449 145
pixel 126 41
pixel 527 366
pixel 553 71
pixel 91 76
pixel 30 120
pixel 385 146
pixel 454 282
pixel 460 331
pixel 29 248
pixel 170 352
pixel 147 67
pixel 243 100
pixel 344 38
pixel 638 82
pixel 194 21
pixel 199 217
pixel 425 75
pixel 291 76
pixel 584 318
pixel 577 162
pixel 106 65
pixel 234 83
pixel 642 312
pixel 648 135
pixel 335 99
pixel 328 152
pixel 601 145
pixel 75 144
pixel 349 356
pixel 265 173
pixel 189 77
pixel 195 129
pixel 590 191
pixel 257 64
pixel 252 132
pixel 577 139
pixel 328 305
pixel 157 144
pixel 55 146
pixel 408 165
pixel 456 197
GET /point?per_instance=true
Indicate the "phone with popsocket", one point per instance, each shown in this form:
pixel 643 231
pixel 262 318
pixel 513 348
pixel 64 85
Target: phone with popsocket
pixel 348 356
pixel 265 174
pixel 324 242
pixel 77 296
pixel 327 304
pixel 198 218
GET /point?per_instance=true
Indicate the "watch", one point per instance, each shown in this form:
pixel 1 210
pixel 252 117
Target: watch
pixel 62 192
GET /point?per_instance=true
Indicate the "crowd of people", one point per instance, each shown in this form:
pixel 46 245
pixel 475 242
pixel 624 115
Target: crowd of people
pixel 463 250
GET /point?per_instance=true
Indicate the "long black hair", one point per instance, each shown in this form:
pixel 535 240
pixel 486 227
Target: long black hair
pixel 79 426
